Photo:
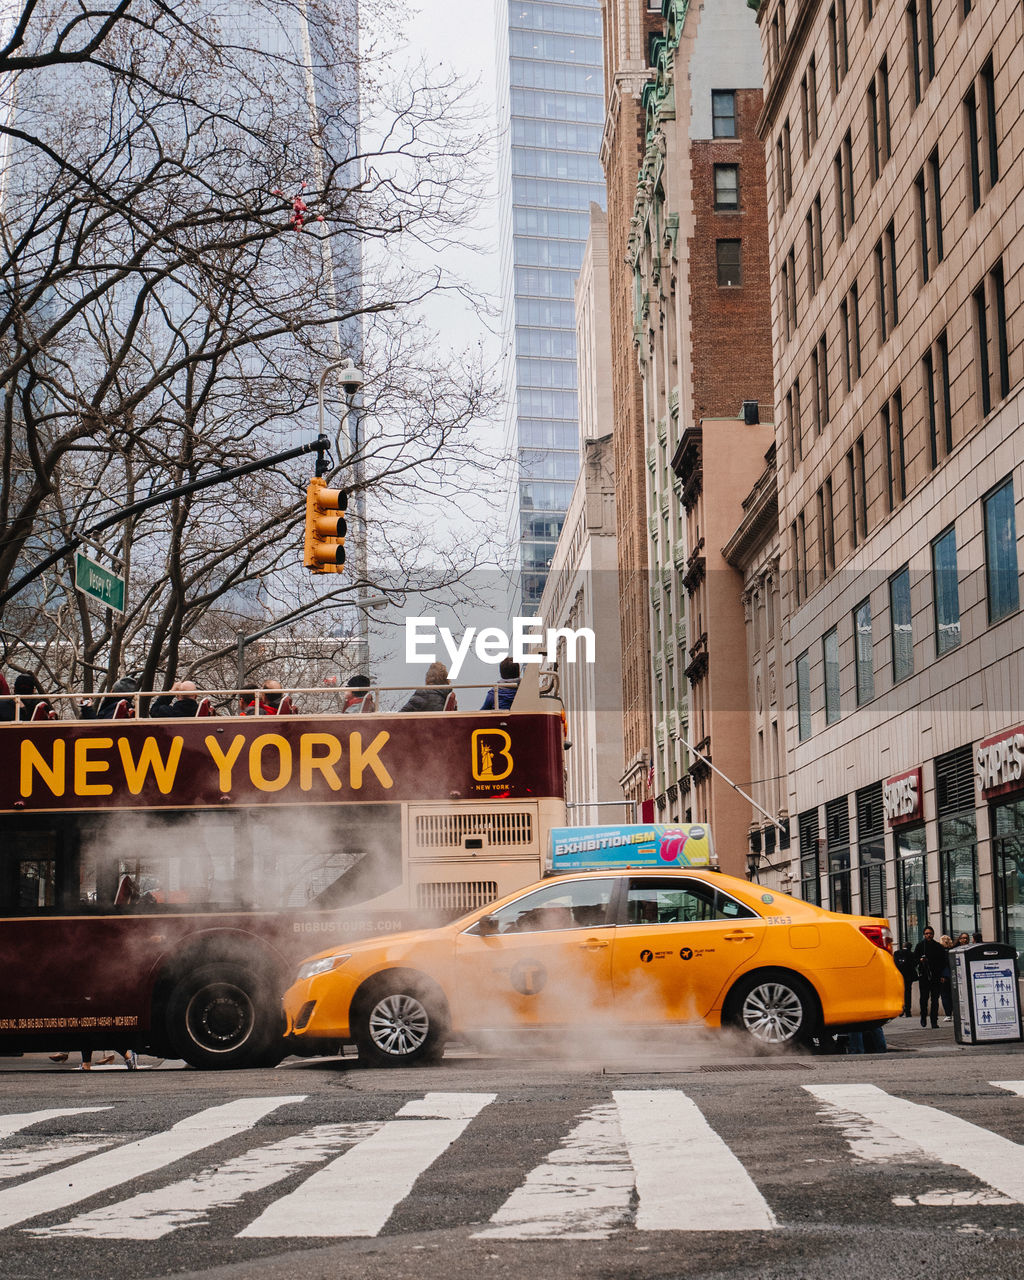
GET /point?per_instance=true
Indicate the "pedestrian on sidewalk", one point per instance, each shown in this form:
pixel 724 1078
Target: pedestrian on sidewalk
pixel 931 959
pixel 907 965
pixel 946 981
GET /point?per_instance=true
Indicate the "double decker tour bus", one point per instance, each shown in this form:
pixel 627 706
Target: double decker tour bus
pixel 160 878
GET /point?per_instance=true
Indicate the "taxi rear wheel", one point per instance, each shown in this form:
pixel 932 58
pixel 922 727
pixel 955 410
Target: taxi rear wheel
pixel 774 1009
pixel 398 1022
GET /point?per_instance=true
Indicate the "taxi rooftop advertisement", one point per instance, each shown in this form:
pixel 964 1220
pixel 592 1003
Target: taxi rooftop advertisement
pixel 650 845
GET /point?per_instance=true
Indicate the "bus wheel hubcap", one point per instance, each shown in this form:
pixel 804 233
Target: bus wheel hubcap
pixel 220 1017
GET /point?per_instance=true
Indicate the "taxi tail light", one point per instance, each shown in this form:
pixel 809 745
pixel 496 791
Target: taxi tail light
pixel 879 934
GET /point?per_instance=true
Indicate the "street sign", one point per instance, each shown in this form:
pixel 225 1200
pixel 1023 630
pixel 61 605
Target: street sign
pixel 93 580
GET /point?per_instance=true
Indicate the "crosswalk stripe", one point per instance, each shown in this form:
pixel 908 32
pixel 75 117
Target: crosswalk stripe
pixel 154 1214
pixel 942 1137
pixel 57 1190
pixel 24 1162
pixel 357 1192
pixel 582 1191
pixel 1011 1086
pixel 687 1178
pixel 24 1119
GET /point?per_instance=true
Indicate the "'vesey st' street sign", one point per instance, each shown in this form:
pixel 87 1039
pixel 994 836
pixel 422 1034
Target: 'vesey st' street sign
pixel 93 580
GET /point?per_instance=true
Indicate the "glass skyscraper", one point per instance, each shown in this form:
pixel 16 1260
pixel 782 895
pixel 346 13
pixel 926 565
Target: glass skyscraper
pixel 551 91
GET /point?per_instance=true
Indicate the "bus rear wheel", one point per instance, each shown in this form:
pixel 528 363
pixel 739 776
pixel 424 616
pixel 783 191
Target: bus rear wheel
pixel 223 1016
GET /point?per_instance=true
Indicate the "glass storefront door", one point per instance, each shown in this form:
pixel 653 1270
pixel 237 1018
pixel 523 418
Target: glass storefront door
pixel 912 883
pixel 1007 821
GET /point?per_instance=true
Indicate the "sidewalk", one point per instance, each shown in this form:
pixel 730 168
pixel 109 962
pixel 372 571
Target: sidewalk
pixel 907 1034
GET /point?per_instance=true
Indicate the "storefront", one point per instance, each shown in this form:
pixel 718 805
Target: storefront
pixel 903 801
pixel 1000 766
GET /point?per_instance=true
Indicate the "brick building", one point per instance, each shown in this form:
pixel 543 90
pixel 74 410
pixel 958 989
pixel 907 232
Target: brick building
pixel 628 28
pixel 698 245
pixel 894 137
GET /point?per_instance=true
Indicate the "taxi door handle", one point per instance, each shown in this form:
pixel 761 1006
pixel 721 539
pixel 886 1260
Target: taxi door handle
pixel 594 944
pixel 738 936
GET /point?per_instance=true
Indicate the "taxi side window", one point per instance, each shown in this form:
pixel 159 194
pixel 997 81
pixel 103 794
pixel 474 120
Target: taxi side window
pixel 675 902
pixel 577 904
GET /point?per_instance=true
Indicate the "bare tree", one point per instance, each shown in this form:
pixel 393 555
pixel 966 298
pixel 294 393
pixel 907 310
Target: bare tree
pixel 189 232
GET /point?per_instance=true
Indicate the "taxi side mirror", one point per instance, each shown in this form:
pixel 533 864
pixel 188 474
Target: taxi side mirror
pixel 488 926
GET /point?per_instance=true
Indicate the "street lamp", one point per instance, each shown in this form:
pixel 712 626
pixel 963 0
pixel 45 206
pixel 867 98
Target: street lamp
pixel 369 602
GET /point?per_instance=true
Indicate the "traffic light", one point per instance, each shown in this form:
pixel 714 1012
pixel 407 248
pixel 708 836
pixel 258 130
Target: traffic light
pixel 325 527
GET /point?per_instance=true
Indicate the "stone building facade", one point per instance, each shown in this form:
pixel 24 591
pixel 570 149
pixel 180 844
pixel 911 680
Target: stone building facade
pixel 895 138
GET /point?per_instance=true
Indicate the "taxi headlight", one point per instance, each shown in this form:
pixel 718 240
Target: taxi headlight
pixel 312 968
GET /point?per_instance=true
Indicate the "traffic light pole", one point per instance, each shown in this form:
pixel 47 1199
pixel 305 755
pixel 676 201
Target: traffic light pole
pixel 320 447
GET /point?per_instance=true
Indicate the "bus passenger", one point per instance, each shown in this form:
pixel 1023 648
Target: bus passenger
pixel 509 672
pixel 32 707
pixel 270 699
pixel 357 686
pixel 167 706
pixel 107 705
pixel 434 696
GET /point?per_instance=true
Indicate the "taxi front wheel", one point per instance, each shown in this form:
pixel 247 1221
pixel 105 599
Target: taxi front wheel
pixel 399 1021
pixel 774 1009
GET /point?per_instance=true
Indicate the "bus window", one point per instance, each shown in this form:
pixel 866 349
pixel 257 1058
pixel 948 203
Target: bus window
pixel 29 873
pixel 324 857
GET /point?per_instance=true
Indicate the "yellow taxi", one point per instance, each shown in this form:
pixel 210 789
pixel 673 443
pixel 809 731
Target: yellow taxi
pixel 625 948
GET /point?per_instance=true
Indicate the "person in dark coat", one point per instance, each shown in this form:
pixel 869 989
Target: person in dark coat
pixel 508 669
pixel 435 694
pixel 907 965
pixel 28 688
pixel 107 705
pixel 179 704
pixel 931 960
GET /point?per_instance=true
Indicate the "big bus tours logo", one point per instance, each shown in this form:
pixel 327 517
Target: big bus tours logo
pixel 492 758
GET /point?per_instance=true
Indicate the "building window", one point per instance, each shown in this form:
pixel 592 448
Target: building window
pixel 871 850
pixel 819 372
pixel 885 280
pixel 935 377
pixel 815 264
pixel 849 315
pixel 879 120
pixel 980 134
pixel 837 833
pixel 803 695
pixel 928 211
pixel 723 113
pixel 728 260
pixel 895 448
pixel 911 882
pixel 727 186
pixel 863 655
pixel 801 529
pixel 796 449
pixel 838 44
pixel 958 840
pixel 946 592
pixel 810 857
pixel 789 286
pixel 1001 552
pixel 901 626
pixel 1006 823
pixel 809 106
pixel 794 541
pixel 842 167
pixel 921 38
pixel 830 650
pixel 991 338
pixel 857 477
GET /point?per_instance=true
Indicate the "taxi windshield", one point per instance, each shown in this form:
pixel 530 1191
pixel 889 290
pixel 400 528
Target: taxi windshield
pixel 575 904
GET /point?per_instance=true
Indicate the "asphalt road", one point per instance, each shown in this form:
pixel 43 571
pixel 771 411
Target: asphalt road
pixel 677 1158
